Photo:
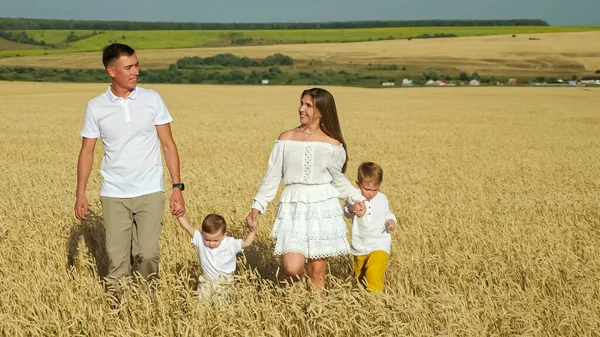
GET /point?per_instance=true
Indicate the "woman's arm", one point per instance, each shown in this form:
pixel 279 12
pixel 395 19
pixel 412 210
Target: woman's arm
pixel 348 192
pixel 268 188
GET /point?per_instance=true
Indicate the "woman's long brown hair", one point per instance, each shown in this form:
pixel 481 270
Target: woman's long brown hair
pixel 330 123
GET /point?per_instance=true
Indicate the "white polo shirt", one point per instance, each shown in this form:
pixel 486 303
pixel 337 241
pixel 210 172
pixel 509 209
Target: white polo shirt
pixel 132 164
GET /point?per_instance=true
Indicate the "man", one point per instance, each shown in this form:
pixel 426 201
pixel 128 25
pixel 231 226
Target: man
pixel 131 121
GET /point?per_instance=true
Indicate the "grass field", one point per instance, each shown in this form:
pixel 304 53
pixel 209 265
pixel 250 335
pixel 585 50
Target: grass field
pixel 207 38
pixel 559 54
pixel 496 191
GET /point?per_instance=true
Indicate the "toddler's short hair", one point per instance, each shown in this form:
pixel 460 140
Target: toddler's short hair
pixel 213 223
pixel 371 172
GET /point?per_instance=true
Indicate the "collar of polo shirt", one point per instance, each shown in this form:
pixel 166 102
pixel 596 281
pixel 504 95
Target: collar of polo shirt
pixel 114 98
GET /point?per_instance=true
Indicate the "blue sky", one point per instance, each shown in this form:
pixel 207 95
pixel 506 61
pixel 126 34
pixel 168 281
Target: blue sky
pixel 555 12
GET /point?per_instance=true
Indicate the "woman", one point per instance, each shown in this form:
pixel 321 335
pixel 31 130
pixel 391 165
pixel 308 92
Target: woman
pixel 310 160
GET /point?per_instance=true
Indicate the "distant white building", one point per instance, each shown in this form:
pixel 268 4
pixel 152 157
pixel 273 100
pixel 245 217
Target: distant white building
pixel 407 82
pixel 474 83
pixel 264 82
pixel 590 80
pixel 430 83
pixel 388 84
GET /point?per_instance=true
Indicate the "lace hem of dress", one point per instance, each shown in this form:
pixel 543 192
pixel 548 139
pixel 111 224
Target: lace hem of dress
pixel 329 235
pixel 318 250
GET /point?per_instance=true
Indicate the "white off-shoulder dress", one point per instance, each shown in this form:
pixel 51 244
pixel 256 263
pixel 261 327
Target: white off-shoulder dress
pixel 309 216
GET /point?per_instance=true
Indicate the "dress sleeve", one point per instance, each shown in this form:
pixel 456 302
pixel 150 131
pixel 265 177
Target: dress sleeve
pixel 348 192
pixel 271 180
pixel 347 213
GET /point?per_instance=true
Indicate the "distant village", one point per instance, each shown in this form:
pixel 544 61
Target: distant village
pixel 584 81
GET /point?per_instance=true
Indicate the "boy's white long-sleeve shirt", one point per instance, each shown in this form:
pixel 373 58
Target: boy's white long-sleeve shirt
pixel 369 233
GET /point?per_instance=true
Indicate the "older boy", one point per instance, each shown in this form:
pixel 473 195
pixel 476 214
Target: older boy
pixel 371 240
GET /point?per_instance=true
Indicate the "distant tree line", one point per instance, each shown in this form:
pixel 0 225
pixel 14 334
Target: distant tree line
pixel 434 36
pixel 230 60
pixel 72 37
pixel 22 37
pixel 274 75
pixel 231 69
pixel 25 23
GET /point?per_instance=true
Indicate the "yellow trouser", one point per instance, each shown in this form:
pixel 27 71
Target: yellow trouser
pixel 369 269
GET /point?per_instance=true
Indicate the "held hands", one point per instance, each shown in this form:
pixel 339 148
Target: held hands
pixel 358 209
pixel 251 220
pixel 177 203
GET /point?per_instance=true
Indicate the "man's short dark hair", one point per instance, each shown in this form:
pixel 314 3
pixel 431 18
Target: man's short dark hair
pixel 113 51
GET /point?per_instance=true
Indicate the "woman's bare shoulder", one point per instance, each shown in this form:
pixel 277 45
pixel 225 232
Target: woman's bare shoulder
pixel 329 140
pixel 288 135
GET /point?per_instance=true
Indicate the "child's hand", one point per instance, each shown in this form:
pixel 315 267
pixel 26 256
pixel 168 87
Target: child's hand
pixel 390 225
pixel 251 225
pixel 359 209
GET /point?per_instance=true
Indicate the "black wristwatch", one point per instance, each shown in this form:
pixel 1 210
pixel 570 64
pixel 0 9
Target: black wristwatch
pixel 180 186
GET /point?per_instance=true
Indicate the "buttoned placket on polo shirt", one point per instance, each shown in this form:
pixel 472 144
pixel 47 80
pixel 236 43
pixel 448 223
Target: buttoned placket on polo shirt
pixel 125 104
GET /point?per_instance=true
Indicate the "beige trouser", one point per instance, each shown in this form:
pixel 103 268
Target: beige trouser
pixel 133 228
pixel 217 290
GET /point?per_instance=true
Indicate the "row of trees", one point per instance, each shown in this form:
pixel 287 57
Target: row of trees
pixel 22 37
pixel 25 23
pixel 72 37
pixel 230 60
pixel 231 76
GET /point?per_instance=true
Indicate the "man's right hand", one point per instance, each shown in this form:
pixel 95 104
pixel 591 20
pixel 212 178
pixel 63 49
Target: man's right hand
pixel 81 207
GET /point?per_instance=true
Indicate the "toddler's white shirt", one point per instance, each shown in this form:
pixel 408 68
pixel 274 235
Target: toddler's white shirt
pixel 216 262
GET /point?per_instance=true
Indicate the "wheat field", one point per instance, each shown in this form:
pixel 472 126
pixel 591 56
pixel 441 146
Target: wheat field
pixel 551 54
pixel 496 191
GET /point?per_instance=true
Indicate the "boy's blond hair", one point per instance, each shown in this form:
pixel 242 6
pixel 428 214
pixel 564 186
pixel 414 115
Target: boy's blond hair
pixel 213 223
pixel 371 172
